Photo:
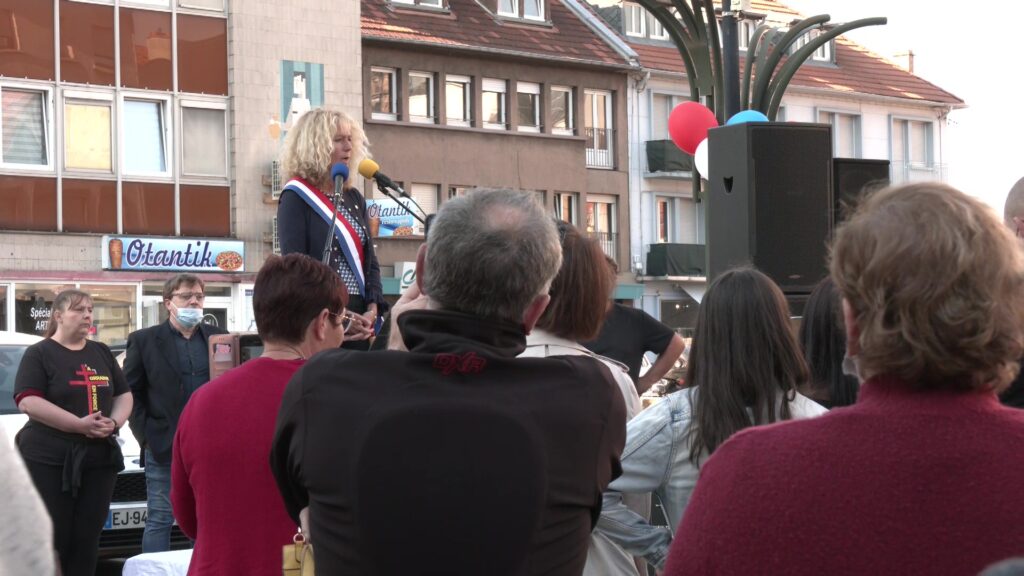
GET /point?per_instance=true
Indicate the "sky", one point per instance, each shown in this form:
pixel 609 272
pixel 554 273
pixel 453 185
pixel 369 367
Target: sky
pixel 970 50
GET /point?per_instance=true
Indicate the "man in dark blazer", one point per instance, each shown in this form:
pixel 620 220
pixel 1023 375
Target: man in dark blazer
pixel 164 365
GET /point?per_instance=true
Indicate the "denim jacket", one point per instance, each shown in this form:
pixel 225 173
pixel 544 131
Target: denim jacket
pixel 657 459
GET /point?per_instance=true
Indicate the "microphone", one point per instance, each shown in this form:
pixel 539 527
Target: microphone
pixel 370 169
pixel 339 173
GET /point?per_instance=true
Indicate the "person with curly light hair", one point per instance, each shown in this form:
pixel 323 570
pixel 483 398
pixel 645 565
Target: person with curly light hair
pixel 320 139
pixel 922 475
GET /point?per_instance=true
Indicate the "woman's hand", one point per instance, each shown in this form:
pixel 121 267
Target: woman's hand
pixel 361 327
pixel 96 425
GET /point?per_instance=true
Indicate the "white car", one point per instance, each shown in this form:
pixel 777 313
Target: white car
pixel 122 533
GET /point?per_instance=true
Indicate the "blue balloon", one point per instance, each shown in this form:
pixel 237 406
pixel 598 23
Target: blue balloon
pixel 746 116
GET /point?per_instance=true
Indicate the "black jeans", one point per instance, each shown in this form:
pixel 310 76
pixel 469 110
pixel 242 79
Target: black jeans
pixel 77 521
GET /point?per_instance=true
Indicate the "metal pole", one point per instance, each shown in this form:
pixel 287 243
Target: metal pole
pixel 730 60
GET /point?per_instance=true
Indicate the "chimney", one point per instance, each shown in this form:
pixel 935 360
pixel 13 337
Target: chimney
pixel 905 60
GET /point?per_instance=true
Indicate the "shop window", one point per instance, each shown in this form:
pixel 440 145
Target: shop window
pixel 89 205
pixel 3 312
pixel 203 141
pixel 86 43
pixel 113 313
pixel 147 208
pixel 145 137
pixel 146 49
pixel 87 130
pixel 32 306
pixel 205 211
pixel 25 126
pixel 382 93
pixel 26 39
pixel 29 203
pixel 202 54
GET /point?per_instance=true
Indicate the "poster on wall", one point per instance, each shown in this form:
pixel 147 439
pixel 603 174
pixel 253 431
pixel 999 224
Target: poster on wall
pixel 302 89
pixel 387 218
pixel 141 253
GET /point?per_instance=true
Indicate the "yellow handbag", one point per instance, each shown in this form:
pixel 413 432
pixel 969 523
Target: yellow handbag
pixel 297 557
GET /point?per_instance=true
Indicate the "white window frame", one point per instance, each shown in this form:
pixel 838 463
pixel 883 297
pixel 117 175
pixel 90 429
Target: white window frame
pixel 515 9
pixel 189 5
pixel 574 207
pixel 834 122
pixel 180 141
pixel 600 157
pixel 656 30
pixel 501 87
pixel 49 125
pixel 609 200
pixel 745 32
pixel 431 116
pixel 672 223
pixel 393 114
pixel 467 100
pixel 634 13
pixel 90 96
pixel 532 88
pixel 165 109
pixel 570 113
pixel 674 99
pixel 902 122
pixel 540 10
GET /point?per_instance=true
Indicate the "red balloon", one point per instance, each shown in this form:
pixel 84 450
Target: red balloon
pixel 688 125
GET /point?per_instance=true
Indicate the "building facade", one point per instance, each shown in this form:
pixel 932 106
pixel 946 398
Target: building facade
pixel 138 140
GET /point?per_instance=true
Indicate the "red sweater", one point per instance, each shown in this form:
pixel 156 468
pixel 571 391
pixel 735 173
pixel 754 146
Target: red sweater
pixel 223 493
pixel 902 482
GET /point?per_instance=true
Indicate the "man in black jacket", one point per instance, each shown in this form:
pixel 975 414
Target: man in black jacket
pixel 164 365
pixel 486 271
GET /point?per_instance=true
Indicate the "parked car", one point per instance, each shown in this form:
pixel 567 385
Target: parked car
pixel 122 534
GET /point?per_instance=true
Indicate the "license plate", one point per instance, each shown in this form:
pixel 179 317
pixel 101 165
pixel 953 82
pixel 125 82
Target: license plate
pixel 126 518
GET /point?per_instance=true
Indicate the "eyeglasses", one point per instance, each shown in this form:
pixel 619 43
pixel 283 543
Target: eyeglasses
pixel 188 296
pixel 346 319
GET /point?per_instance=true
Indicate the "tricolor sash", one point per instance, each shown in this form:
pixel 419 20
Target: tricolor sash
pixel 351 246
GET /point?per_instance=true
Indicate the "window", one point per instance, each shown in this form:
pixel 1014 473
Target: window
pixel 144 141
pixel 911 143
pixel 382 94
pixel 601 223
pixel 658 31
pixel 533 9
pixel 87 131
pixel 458 99
pixel 429 3
pixel 822 54
pixel 217 5
pixel 745 32
pixel 634 19
pixel 456 191
pixel 508 7
pixel 25 127
pixel 665 223
pixel 203 140
pixel 494 103
pixel 845 133
pixel 563 120
pixel 426 196
pixel 528 105
pixel 421 97
pixel 597 125
pixel 661 108
pixel 566 207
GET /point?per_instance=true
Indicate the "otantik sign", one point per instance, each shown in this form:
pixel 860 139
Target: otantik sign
pixel 142 253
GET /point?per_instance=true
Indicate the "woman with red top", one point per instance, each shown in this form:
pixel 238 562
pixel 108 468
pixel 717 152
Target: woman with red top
pixel 320 139
pixel 923 474
pixel 76 399
pixel 223 493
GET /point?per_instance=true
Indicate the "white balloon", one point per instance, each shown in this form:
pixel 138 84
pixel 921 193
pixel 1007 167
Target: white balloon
pixel 700 159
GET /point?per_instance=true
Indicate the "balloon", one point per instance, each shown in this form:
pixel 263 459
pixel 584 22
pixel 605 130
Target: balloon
pixel 700 159
pixel 688 124
pixel 746 116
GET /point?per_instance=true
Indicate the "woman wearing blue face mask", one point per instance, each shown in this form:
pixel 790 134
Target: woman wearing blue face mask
pixel 164 365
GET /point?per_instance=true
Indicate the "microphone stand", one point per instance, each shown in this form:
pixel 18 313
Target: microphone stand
pixel 387 192
pixel 334 221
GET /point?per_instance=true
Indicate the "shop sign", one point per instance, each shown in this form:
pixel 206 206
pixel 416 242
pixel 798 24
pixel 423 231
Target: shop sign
pixel 389 218
pixel 142 253
pixel 406 274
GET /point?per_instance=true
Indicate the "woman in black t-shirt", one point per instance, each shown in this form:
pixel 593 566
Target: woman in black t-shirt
pixel 76 398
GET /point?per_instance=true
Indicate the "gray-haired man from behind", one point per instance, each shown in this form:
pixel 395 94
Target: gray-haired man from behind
pixel 484 275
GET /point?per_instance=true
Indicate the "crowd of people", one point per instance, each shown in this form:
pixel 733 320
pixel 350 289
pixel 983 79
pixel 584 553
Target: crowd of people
pixel 502 432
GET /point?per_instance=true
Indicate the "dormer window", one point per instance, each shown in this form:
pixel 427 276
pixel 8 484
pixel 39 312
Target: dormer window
pixel 823 53
pixel 525 9
pixel 634 20
pixel 421 3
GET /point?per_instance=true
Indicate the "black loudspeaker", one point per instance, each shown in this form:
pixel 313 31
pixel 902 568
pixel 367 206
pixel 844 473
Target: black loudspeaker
pixel 770 201
pixel 851 177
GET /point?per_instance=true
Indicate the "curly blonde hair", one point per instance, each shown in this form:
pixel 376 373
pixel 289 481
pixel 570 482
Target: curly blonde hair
pixel 936 285
pixel 309 144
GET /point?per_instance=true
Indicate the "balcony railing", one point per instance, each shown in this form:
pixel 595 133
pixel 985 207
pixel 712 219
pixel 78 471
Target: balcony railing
pixel 609 242
pixel 599 147
pixel 903 172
